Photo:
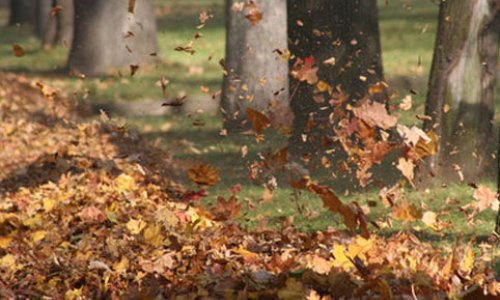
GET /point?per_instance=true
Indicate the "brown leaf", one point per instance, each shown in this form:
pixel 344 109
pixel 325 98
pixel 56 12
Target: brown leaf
pixel 18 50
pixel 259 120
pixel 131 6
pixel 203 174
pixel 254 14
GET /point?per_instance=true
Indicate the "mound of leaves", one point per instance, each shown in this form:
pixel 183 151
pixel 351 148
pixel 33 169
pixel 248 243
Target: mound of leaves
pixel 88 210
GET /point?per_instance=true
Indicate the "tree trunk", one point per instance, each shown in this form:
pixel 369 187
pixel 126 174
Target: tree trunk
pixel 46 24
pixel 107 37
pixel 55 26
pixel 257 75
pixel 497 227
pixel 461 95
pixel 345 33
pixel 22 12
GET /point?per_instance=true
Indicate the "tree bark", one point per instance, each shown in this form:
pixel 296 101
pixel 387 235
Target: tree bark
pixel 55 26
pixel 107 37
pixel 461 95
pixel 346 31
pixel 22 12
pixel 257 75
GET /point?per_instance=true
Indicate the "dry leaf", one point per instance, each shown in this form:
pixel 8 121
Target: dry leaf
pixel 203 174
pixel 254 14
pixel 18 50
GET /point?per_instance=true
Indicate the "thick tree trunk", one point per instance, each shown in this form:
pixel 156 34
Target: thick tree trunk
pixel 347 34
pixel 461 96
pixel 107 37
pixel 22 12
pixel 257 75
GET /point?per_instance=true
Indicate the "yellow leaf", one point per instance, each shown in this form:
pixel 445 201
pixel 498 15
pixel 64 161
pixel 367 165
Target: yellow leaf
pixel 5 241
pixel 153 235
pixel 360 247
pixel 467 263
pixel 136 226
pixel 124 183
pixel 74 294
pixel 430 218
pixel 340 258
pixel 122 266
pixel 8 262
pixel 49 204
pixel 294 289
pixel 38 235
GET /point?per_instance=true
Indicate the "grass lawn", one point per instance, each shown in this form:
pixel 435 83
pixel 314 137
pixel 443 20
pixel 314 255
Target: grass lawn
pixel 408 31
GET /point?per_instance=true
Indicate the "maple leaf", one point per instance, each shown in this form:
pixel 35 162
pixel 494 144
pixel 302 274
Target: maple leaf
pixel 203 174
pixel 307 72
pixel 226 210
pixel 375 115
pixel 486 198
pixel 259 120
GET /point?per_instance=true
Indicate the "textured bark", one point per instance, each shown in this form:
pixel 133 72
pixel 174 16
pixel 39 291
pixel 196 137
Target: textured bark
pixel 257 76
pixel 463 79
pixel 107 37
pixel 22 12
pixel 345 30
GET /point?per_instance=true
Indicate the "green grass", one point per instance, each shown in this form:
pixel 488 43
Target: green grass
pixel 407 38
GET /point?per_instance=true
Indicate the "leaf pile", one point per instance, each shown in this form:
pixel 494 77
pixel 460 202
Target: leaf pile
pixel 89 211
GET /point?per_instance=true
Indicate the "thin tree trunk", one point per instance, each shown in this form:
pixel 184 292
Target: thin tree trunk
pixel 347 34
pixel 65 22
pixel 257 75
pixel 46 23
pixel 461 95
pixel 107 37
pixel 22 12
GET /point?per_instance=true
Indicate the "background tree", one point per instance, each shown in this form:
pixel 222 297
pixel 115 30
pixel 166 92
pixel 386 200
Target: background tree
pixel 107 36
pixel 55 20
pixel 22 12
pixel 342 39
pixel 257 75
pixel 461 97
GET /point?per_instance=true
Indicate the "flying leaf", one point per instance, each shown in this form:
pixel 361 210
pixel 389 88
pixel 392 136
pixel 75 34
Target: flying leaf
pixel 203 174
pixel 375 114
pixel 254 14
pixel 131 6
pixel 406 167
pixel 406 212
pixel 259 120
pixel 18 50
pixel 486 198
